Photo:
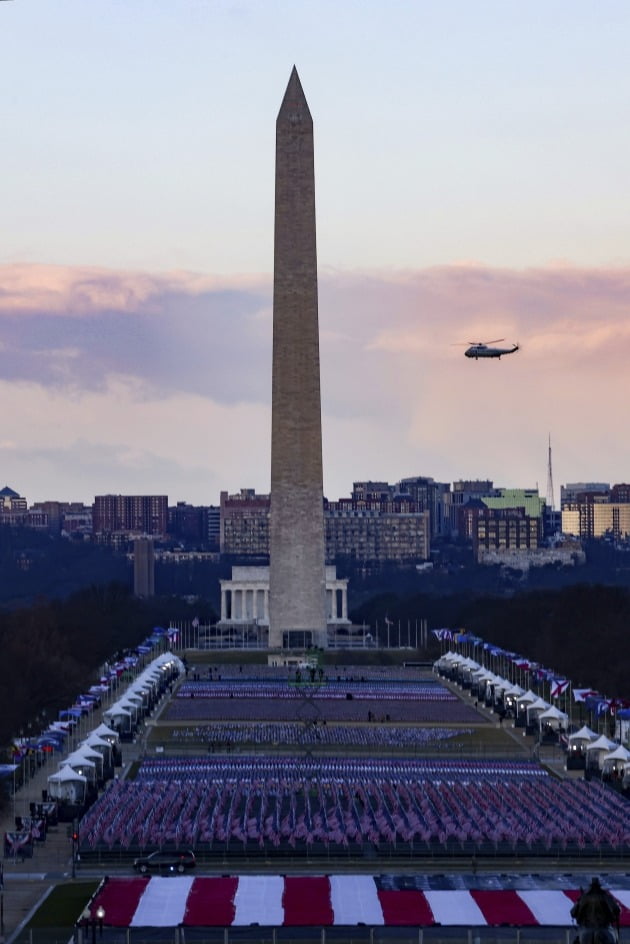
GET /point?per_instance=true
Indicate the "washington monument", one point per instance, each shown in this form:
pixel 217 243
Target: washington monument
pixel 297 584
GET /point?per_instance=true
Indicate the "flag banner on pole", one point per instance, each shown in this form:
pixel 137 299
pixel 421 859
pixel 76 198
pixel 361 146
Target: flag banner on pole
pixel 559 687
pixel 581 694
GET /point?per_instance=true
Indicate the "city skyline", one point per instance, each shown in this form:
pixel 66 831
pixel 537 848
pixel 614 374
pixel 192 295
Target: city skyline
pixel 470 187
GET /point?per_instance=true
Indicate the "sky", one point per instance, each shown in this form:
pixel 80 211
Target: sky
pixel 472 183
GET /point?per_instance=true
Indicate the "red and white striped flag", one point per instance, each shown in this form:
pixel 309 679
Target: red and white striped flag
pixel 559 687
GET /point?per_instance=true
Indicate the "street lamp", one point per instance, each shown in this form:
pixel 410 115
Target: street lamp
pixel 92 919
pixel 100 917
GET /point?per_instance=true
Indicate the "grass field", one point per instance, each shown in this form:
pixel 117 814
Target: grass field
pixel 65 904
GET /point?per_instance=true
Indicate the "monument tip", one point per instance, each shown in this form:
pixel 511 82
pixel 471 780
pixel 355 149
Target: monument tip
pixel 294 101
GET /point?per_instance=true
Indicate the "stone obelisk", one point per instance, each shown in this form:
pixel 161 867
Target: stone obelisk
pixel 297 577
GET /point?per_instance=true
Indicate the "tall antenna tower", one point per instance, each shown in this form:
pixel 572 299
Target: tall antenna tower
pixel 550 501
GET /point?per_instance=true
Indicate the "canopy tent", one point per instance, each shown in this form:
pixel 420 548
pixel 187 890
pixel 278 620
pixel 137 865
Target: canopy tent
pixel 602 744
pixel 554 714
pixel 119 716
pixel 103 747
pixel 81 765
pixel 615 764
pixel 96 743
pixel 511 696
pixel 90 754
pixel 538 705
pixel 104 732
pixel 467 668
pixel 133 709
pixel 527 699
pixel 67 785
pixel 620 753
pixel 584 734
pixel 597 750
pixel 134 698
pixel 535 709
pixel 576 747
pixel 76 759
pixel 551 722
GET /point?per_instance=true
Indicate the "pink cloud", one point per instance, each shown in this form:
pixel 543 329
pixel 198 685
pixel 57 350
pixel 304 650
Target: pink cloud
pixel 85 289
pixel 584 310
pixel 398 397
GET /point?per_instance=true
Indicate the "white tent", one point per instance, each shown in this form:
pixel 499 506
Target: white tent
pixel 85 750
pixel 67 785
pixel 132 695
pixel 96 743
pixel 90 753
pixel 584 734
pixel 511 696
pixel 553 714
pixel 527 699
pixel 119 716
pixel 130 706
pixel 602 744
pixel 597 750
pixel 615 764
pixel 539 705
pixel 114 710
pixel 104 732
pixel 619 753
pixel 552 718
pixel 535 709
pixel 80 764
pixel 576 748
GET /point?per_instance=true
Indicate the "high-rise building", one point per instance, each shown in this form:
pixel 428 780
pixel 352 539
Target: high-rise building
pixel 574 491
pixel 620 494
pixel 387 532
pixel 433 497
pixel 244 524
pixel 13 507
pixel 385 527
pixel 597 519
pixel 526 498
pixel 130 514
pixel 466 491
pixel 502 529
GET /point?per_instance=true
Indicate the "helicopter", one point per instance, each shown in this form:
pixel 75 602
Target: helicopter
pixel 482 349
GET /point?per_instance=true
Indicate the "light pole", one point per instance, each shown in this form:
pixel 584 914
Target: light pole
pixel 92 918
pixel 100 917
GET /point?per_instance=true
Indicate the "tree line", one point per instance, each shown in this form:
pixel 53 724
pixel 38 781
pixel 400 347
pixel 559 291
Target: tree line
pixel 52 650
pixel 580 631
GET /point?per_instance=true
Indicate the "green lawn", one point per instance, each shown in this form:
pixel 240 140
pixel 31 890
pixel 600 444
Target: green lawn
pixel 64 905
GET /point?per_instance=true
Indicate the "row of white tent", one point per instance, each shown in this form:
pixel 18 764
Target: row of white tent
pixel 91 761
pixel 603 754
pixel 538 711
